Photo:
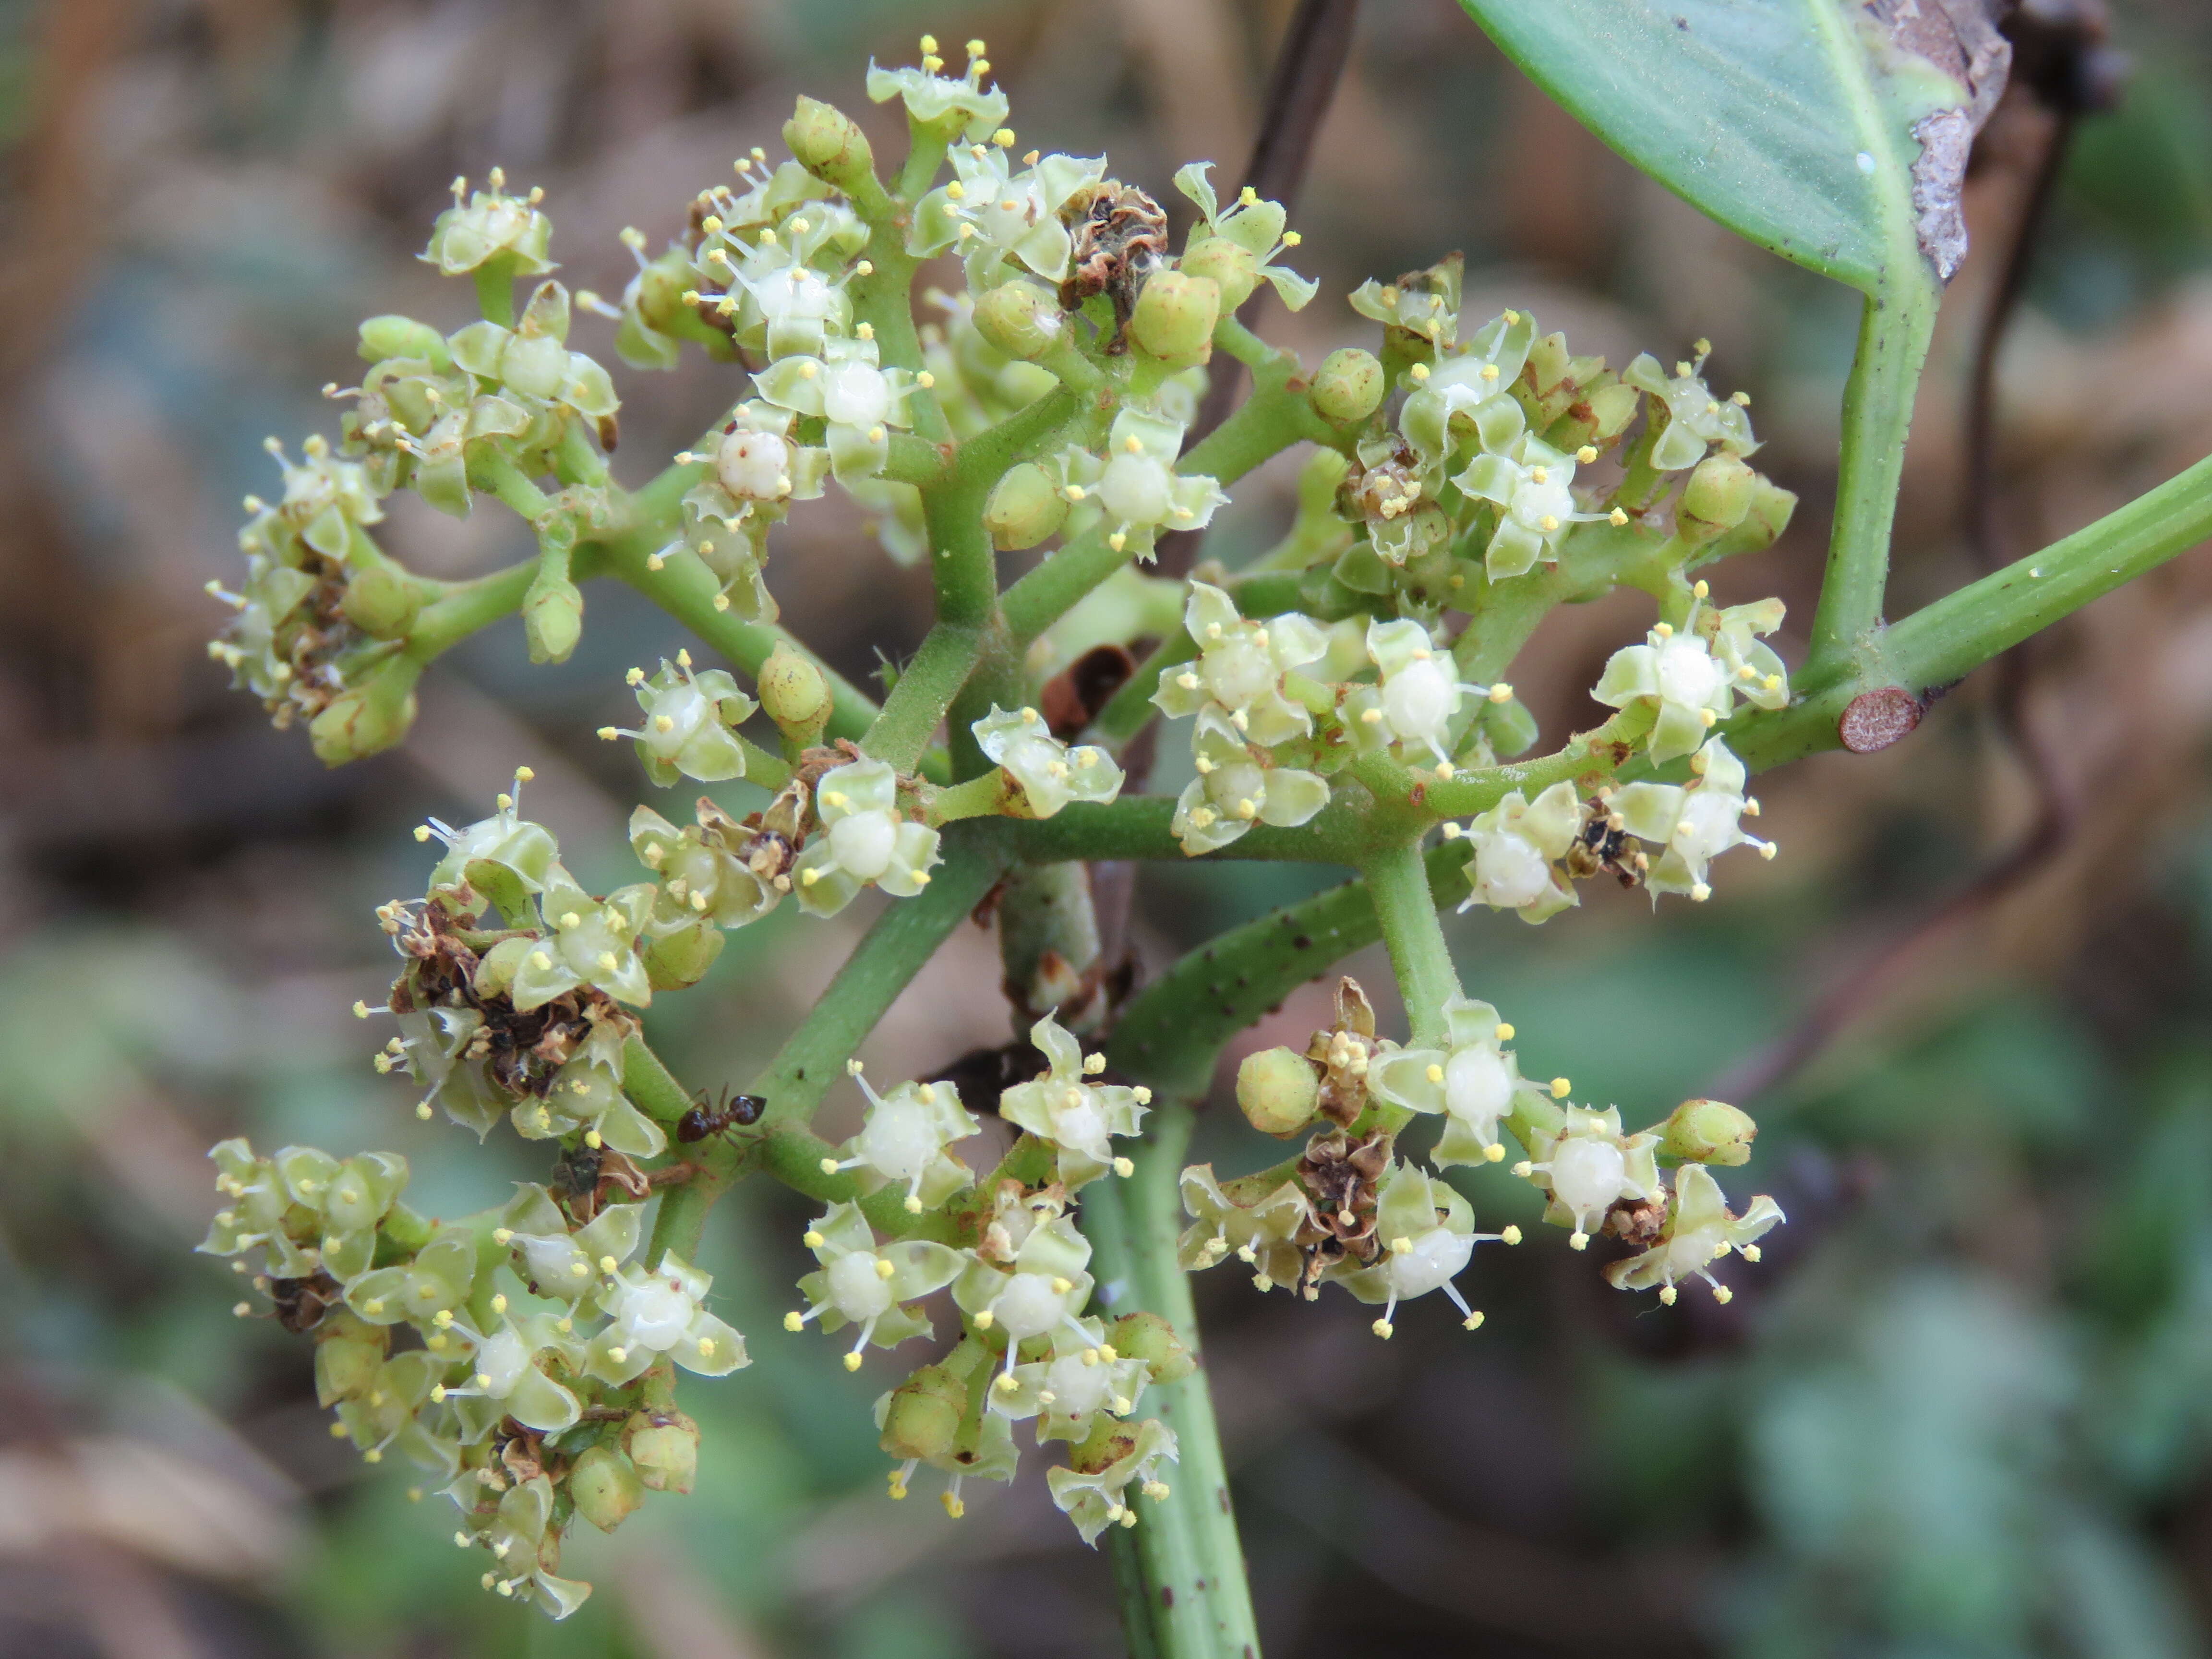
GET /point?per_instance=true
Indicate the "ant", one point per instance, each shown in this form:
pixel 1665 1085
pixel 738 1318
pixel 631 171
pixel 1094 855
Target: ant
pixel 704 1119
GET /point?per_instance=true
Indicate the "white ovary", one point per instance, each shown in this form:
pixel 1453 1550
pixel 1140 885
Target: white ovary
pixel 501 1361
pixel 1238 781
pixel 899 1140
pixel 799 295
pixel 1135 489
pixel 1078 1389
pixel 856 394
pixel 1534 502
pixel 654 1313
pixel 1077 1123
pixel 1014 206
pixel 1587 1175
pixel 1509 873
pixel 857 1289
pixel 1028 1306
pixel 1707 826
pixel 685 708
pixel 534 365
pixel 1417 699
pixel 1688 675
pixel 863 843
pixel 754 466
pixel 1238 672
pixel 1436 1259
pixel 1477 1086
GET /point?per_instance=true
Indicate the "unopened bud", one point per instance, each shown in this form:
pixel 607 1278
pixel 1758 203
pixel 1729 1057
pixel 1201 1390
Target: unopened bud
pixel 1229 265
pixel 552 617
pixel 1277 1091
pixel 402 337
pixel 664 1449
pixel 1020 318
pixel 1708 1132
pixel 1174 316
pixel 923 1416
pixel 381 600
pixel 1717 498
pixel 606 1486
pixel 1509 727
pixel 681 958
pixel 1762 526
pixel 367 718
pixel 827 143
pixel 1348 385
pixel 349 1353
pixel 1025 506
pixel 796 696
pixel 1146 1336
pixel 1602 414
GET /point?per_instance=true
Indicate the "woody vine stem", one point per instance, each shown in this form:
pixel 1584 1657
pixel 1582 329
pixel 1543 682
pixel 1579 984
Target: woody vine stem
pixel 1348 701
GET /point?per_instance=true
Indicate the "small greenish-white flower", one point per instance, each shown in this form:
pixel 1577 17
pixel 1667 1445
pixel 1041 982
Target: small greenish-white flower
pixel 1240 667
pixel 1751 664
pixel 531 361
pixel 1472 1079
pixel 388 1415
pixel 555 1262
pixel 585 1096
pixel 1587 1165
pixel 1096 1498
pixel 869 1284
pixel 525 1544
pixel 1074 1386
pixel 1134 488
pixel 657 1313
pixel 1237 787
pixel 439 1047
pixel 933 99
pixel 1252 231
pixel 991 1457
pixel 1425 302
pixel 1527 483
pixel 1418 697
pixel 990 213
pixel 436 1281
pixel 1470 391
pixel 1678 674
pixel 584 941
pixel 1694 822
pixel 777 296
pixel 1040 1292
pixel 507 1373
pixel 1427 1230
pixel 505 857
pixel 1698 1230
pixel 690 723
pixel 859 401
pixel 1517 846
pixel 490 224
pixel 1066 1111
pixel 865 841
pixel 1050 774
pixel 1261 1229
pixel 702 879
pixel 907 1140
pixel 1696 419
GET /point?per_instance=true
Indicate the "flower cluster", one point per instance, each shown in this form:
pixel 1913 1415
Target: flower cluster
pixel 535 1380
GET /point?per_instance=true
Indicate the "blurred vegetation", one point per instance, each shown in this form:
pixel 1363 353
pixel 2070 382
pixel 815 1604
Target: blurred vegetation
pixel 1964 1408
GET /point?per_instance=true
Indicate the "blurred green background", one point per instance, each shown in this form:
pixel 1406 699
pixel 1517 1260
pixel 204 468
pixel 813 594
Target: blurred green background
pixel 1963 1408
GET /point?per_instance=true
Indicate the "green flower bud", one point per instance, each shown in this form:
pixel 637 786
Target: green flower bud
pixel 1148 1337
pixel 1174 316
pixel 664 1449
pixel 1716 499
pixel 1349 385
pixel 795 695
pixel 386 337
pixel 381 600
pixel 1020 318
pixel 1509 727
pixel 1762 526
pixel 826 143
pixel 1601 415
pixel 1708 1132
pixel 1229 266
pixel 1025 506
pixel 1108 1445
pixel 552 617
pixel 368 718
pixel 607 1487
pixel 349 1352
pixel 924 1416
pixel 1277 1091
pixel 682 957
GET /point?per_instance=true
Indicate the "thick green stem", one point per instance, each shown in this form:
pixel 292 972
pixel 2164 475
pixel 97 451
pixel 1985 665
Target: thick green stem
pixel 925 690
pixel 1188 1599
pixel 1398 883
pixel 466 608
pixel 1894 329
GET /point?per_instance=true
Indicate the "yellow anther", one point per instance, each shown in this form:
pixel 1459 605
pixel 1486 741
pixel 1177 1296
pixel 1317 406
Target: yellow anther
pixel 1419 371
pixel 1586 454
pixel 1560 1087
pixel 1382 1328
pixel 883 1269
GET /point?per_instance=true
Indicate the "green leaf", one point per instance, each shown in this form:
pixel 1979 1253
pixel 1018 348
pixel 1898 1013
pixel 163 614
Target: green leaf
pixel 1824 130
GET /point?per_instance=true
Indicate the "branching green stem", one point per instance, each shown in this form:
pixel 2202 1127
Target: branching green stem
pixel 1398 886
